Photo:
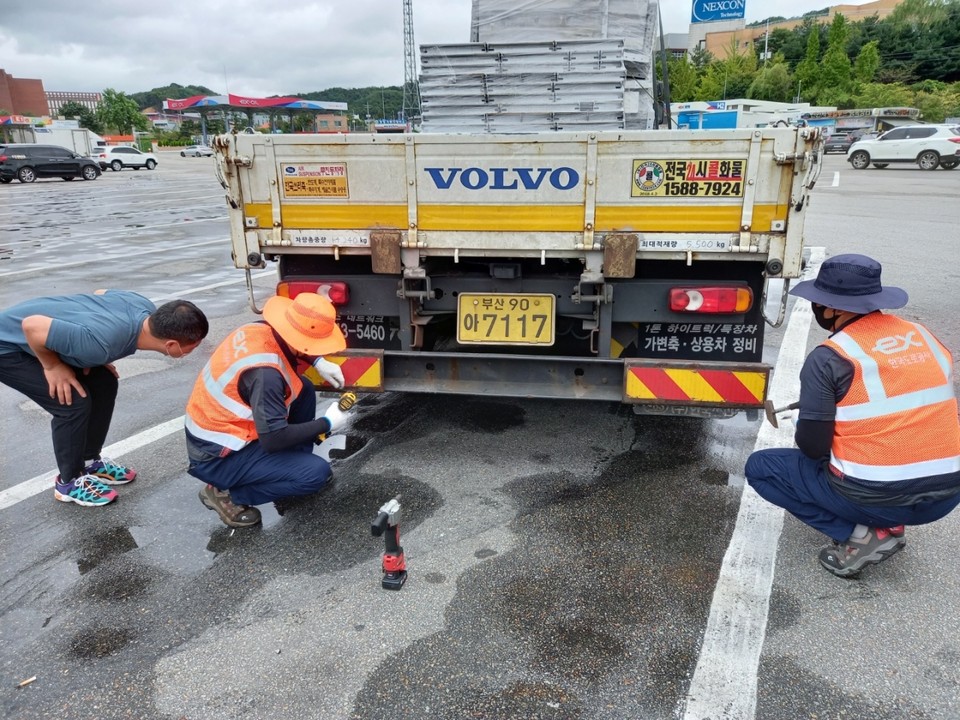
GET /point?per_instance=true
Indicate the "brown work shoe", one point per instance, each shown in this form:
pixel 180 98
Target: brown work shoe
pixel 233 515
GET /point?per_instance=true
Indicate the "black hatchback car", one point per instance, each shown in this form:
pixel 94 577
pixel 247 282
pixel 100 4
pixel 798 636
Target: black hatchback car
pixel 838 142
pixel 26 163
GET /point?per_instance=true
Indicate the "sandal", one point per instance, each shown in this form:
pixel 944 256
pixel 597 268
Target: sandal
pixel 238 516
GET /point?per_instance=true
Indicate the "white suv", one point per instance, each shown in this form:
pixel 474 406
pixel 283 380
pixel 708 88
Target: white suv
pixel 118 157
pixel 929 146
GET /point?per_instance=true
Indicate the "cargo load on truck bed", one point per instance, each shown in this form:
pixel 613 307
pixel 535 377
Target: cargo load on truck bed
pixel 616 265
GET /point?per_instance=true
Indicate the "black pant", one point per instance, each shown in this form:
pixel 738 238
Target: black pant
pixel 79 429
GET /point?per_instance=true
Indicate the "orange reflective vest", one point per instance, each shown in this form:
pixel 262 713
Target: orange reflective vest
pixel 215 411
pixel 899 420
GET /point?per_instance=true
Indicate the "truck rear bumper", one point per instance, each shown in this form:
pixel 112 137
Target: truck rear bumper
pixel 634 381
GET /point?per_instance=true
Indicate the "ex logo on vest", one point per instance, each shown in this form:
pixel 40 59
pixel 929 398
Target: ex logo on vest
pixel 239 343
pixel 897 343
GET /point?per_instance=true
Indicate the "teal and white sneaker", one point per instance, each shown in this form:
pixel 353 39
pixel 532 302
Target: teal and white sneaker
pixel 86 490
pixel 110 472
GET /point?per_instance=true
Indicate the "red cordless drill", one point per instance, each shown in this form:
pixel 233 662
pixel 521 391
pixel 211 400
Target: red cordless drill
pixel 394 564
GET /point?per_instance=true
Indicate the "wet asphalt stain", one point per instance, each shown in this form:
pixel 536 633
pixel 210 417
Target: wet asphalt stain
pixel 785 611
pixel 102 546
pixel 535 701
pixel 596 611
pixel 415 415
pixel 118 584
pixel 355 443
pixel 715 476
pixel 117 607
pixel 490 417
pixel 782 680
pixel 99 642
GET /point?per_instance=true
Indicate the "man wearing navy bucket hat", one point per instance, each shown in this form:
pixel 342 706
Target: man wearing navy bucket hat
pixel 877 429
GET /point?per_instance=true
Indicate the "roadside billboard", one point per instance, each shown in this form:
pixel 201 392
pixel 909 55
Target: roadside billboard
pixel 715 10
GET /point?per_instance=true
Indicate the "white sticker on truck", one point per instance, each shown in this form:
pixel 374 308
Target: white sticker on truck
pixel 698 244
pixel 341 238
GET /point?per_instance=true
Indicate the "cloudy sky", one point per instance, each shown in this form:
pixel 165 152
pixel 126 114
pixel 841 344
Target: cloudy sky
pixel 255 48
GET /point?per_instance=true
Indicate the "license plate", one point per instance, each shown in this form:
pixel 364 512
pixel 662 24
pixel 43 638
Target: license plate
pixel 505 319
pixel 371 331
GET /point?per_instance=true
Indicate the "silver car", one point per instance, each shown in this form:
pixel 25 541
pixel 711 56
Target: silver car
pixel 929 146
pixel 196 151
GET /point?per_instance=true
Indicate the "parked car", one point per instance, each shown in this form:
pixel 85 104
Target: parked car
pixel 118 157
pixel 929 146
pixel 27 162
pixel 196 151
pixel 838 142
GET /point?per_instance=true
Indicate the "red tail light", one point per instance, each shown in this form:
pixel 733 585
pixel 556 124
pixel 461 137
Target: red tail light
pixel 335 291
pixel 729 299
pixel 955 139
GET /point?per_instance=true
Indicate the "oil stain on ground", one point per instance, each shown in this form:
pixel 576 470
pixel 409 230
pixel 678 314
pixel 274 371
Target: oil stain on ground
pixel 595 613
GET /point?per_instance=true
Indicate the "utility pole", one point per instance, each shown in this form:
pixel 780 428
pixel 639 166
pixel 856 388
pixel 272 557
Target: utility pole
pixel 766 38
pixel 411 87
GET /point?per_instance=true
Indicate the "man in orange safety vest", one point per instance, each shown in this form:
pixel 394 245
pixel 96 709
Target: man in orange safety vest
pixel 251 419
pixel 877 430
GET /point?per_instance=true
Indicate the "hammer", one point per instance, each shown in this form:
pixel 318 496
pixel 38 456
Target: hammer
pixel 772 412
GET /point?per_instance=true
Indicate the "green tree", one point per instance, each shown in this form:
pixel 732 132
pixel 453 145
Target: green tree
pixel 701 59
pixel 683 80
pixel 867 63
pixel 835 79
pixel 730 77
pixel 790 43
pixel 807 70
pixel 119 112
pixel 86 116
pixel 772 82
pixel 873 95
pixel 919 14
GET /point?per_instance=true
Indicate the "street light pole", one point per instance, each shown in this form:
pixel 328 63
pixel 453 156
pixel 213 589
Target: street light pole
pixel 766 39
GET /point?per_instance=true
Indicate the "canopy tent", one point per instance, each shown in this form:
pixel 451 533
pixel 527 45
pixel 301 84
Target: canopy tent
pixel 247 103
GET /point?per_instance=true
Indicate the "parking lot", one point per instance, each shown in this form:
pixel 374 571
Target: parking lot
pixel 564 557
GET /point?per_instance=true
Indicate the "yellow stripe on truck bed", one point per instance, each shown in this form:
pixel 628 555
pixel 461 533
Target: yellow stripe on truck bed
pixel 526 218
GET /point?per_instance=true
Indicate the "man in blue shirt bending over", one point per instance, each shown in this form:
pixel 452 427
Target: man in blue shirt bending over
pixel 58 351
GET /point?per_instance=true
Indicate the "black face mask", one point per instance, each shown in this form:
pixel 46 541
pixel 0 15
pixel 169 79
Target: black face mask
pixel 819 312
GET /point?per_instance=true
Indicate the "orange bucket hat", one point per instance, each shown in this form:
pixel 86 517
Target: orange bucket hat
pixel 308 323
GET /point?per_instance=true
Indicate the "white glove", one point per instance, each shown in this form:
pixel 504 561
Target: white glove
pixel 335 416
pixel 329 371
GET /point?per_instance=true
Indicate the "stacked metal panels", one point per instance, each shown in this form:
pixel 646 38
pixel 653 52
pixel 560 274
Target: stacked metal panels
pixel 633 21
pixel 541 65
pixel 522 87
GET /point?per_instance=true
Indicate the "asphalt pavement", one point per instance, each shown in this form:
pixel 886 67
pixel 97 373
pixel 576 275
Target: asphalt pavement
pixel 563 556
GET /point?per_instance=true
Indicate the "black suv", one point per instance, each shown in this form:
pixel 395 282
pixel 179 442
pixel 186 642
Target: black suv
pixel 26 163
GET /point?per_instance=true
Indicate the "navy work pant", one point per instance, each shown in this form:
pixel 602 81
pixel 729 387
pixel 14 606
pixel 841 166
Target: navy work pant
pixel 79 429
pixel 254 477
pixel 801 486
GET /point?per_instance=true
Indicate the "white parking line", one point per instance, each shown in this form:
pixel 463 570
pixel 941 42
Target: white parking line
pixel 40 483
pixel 836 179
pixel 724 684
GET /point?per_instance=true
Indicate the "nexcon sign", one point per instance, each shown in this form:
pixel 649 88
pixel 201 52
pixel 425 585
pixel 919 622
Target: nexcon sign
pixel 714 10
